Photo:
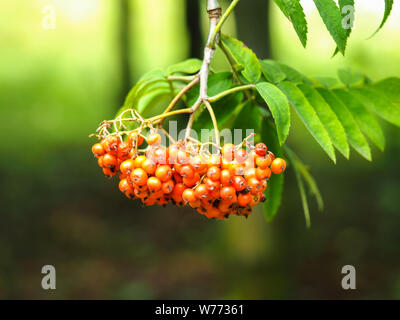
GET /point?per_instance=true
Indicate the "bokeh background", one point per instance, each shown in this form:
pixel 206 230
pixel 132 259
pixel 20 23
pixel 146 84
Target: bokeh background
pixel 56 208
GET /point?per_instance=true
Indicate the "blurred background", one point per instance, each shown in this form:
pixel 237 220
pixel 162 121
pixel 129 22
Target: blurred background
pixel 60 78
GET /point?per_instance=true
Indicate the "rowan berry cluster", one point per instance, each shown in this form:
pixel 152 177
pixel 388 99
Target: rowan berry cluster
pixel 230 182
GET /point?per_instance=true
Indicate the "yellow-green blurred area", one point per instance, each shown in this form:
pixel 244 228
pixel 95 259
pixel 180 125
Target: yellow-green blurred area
pixel 56 85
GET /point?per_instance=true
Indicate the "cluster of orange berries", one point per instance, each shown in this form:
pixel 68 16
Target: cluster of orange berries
pixel 217 186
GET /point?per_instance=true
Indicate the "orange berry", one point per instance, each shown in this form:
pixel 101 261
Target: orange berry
pixel 139 176
pixel 164 172
pixel 110 144
pixel 109 172
pixel 214 160
pixel 100 162
pixel 178 189
pixel 227 193
pixel 254 185
pixel 98 150
pixel 271 155
pixel 260 149
pixel 228 151
pixel 127 166
pixel 191 182
pixel 263 162
pixel 278 165
pixel 124 185
pixel 244 199
pixel 154 139
pixel 226 178
pixel 250 173
pixel 262 174
pixel 167 187
pixel 160 155
pixel 241 155
pixel 135 136
pixel 198 163
pixel 182 157
pixel 214 173
pixel 139 160
pixel 109 161
pixel 149 166
pixel 154 184
pixel 211 184
pixel 239 183
pixel 201 191
pixel 188 195
pixel 123 150
pixel 195 204
pixel 263 185
pixel 187 171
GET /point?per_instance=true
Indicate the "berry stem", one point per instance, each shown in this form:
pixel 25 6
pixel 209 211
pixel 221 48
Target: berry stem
pixel 164 115
pixel 230 91
pixel 214 121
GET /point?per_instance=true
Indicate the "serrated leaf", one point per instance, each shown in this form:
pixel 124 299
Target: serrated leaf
pixel 349 76
pixel 346 14
pixel 217 83
pixel 249 118
pixel 328 118
pixel 274 190
pixel 271 71
pixel 244 56
pixel 279 107
pixel 308 116
pixel 377 101
pixel 363 117
pixel 293 10
pixel 386 14
pixel 188 66
pixel 353 132
pixel 332 18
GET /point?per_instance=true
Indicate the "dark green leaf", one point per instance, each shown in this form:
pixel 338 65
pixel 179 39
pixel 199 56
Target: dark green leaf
pixel 328 119
pixel 249 118
pixel 279 107
pixel 274 190
pixel 332 18
pixel 223 109
pixel 364 118
pixel 353 132
pixel 308 116
pixel 293 10
pixel 244 56
pixel 378 102
pixel 347 17
pixel 271 71
pixel 388 10
pixel 189 66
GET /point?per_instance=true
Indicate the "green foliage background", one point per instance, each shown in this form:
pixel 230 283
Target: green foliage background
pixel 57 85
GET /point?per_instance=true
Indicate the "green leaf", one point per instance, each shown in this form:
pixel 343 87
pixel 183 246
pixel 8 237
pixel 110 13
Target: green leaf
pixel 274 190
pixel 328 82
pixel 388 10
pixel 332 19
pixel 309 117
pixel 189 66
pixel 363 117
pixel 353 132
pixel 349 76
pixel 300 183
pixel 328 119
pixel 346 14
pixel 244 56
pixel 391 88
pixel 279 107
pixel 293 75
pixel 293 10
pixel 217 83
pixel 223 109
pixel 271 71
pixel 378 102
pixel 249 118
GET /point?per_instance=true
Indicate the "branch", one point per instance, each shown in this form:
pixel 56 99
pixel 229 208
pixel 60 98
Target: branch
pixel 229 91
